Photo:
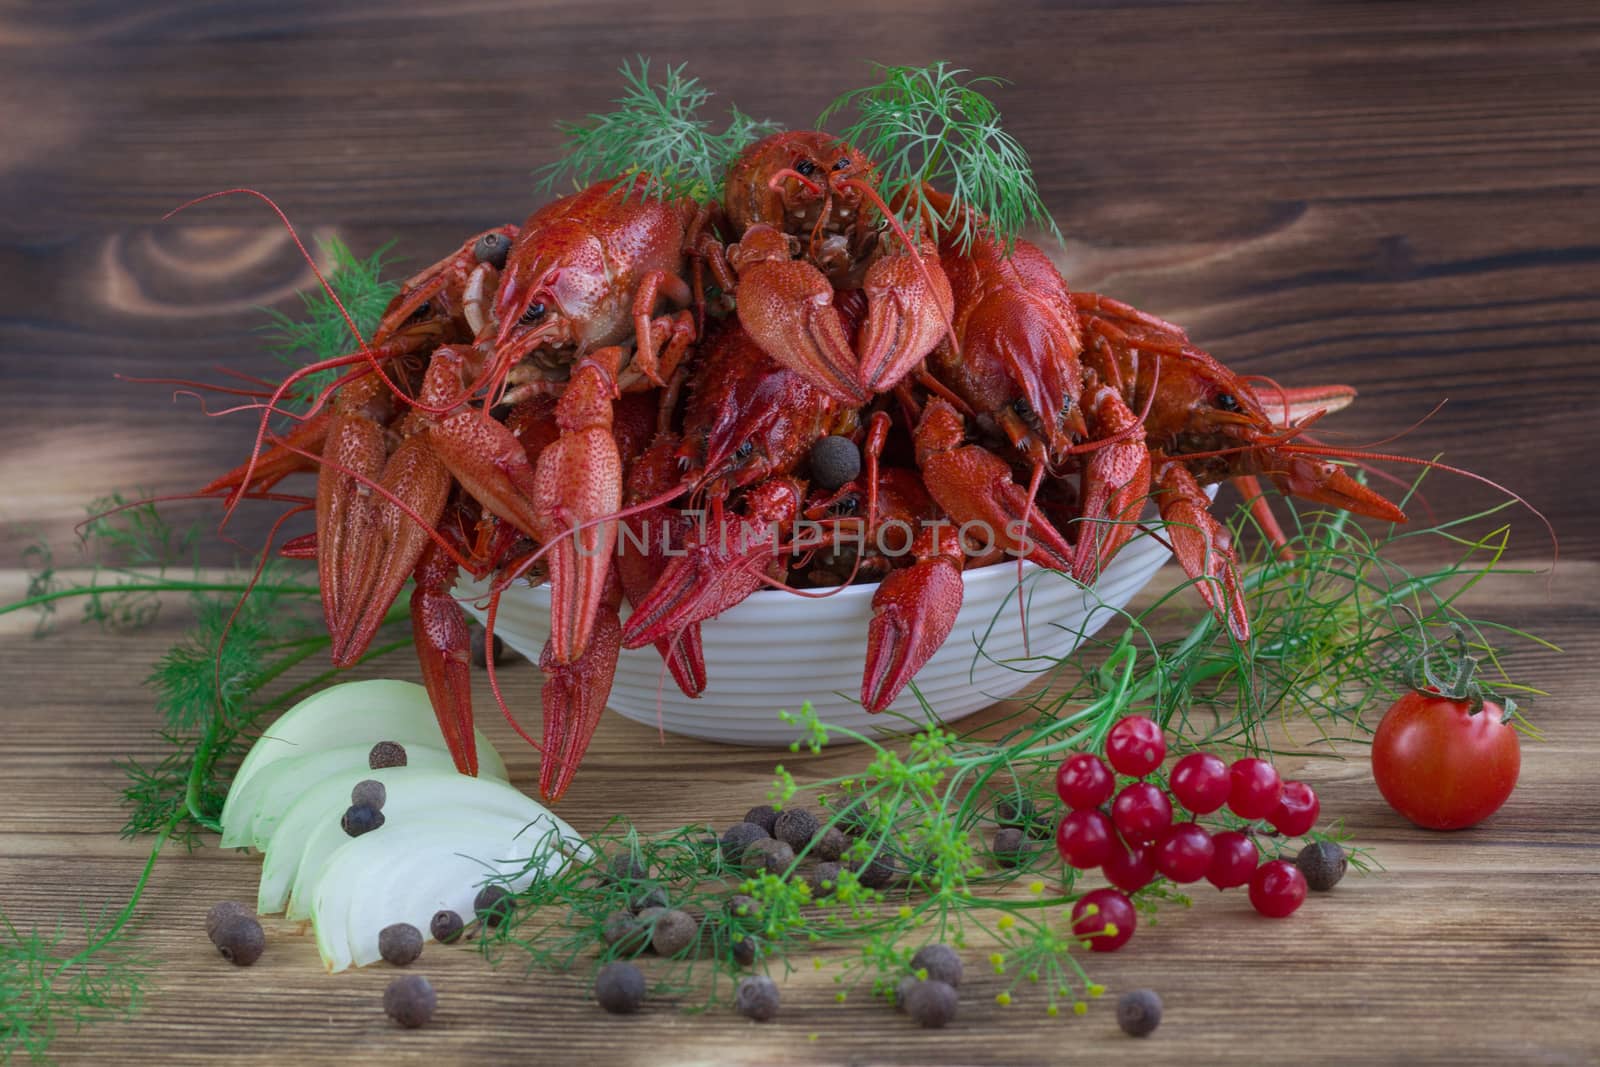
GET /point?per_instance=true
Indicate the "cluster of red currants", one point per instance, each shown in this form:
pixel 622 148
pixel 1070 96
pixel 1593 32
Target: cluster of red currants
pixel 1137 840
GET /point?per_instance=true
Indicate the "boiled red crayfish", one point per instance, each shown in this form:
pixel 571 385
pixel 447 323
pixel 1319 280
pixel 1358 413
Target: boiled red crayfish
pixel 546 386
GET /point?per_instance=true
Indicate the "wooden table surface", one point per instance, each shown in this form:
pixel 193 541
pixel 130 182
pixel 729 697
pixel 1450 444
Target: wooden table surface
pixel 1402 197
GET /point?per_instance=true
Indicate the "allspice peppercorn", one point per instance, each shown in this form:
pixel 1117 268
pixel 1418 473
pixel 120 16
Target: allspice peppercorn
pixel 410 1001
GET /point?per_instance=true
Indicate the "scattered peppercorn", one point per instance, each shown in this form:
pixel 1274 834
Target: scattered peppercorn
pixel 876 875
pixel 902 993
pixel 386 754
pixel 764 816
pixel 361 819
pixel 825 878
pixel 1008 847
pixel 626 867
pixel 796 827
pixel 369 793
pixel 744 906
pixel 410 1001
pixel 492 905
pixel 619 988
pixel 773 857
pixel 626 932
pixel 492 248
pixel 835 460
pixel 477 644
pixel 831 845
pixel 674 932
pixel 220 912
pixel 446 927
pixel 941 963
pixel 757 998
pixel 240 940
pixel 1139 1012
pixel 1323 863
pixel 400 943
pixel 1016 811
pixel 853 820
pixel 932 1003
pixel 739 837
pixel 655 897
pixel 745 950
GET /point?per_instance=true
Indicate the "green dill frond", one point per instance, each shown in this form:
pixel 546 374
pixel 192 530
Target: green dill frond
pixel 655 129
pixel 931 126
pixel 189 677
pixel 44 987
pixel 321 329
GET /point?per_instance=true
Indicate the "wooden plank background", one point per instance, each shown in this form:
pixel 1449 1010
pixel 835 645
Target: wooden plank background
pixel 1397 196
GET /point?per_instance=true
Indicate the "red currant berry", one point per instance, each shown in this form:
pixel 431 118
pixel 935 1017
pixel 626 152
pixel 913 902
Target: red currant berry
pixel 1253 788
pixel 1105 919
pixel 1200 782
pixel 1084 838
pixel 1141 812
pixel 1297 810
pixel 1135 746
pixel 1129 867
pixel 1184 853
pixel 1233 860
pixel 1277 889
pixel 1084 781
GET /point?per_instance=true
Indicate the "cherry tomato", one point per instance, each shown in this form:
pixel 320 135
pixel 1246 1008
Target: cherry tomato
pixel 1440 765
pixel 1135 746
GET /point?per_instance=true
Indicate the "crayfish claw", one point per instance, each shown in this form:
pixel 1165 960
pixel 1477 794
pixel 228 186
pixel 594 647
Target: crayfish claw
pixel 1203 546
pixel 913 612
pixel 573 696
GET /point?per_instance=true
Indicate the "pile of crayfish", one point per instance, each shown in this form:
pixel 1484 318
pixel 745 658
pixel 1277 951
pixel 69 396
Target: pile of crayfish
pixel 801 368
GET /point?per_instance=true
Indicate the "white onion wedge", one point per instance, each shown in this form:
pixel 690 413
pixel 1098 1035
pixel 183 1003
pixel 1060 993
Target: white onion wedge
pixel 271 792
pixel 351 713
pixel 414 795
pixel 320 804
pixel 405 871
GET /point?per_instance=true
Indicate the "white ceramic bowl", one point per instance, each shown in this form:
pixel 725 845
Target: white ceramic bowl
pixel 776 650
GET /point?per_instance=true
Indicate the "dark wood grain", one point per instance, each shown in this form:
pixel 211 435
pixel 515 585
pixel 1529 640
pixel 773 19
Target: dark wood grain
pixel 1401 196
pixel 1396 196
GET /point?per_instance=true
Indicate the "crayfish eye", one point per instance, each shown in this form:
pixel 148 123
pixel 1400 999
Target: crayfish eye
pixel 842 163
pixel 1226 402
pixel 805 168
pixel 744 450
pixel 846 505
pixel 492 249
pixel 422 311
pixel 534 313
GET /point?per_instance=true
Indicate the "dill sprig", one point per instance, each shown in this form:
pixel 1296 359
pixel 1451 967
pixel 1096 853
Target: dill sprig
pixel 931 125
pixel 43 987
pixel 123 541
pixel 655 129
pixel 321 329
